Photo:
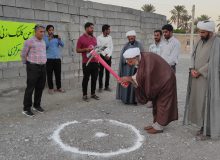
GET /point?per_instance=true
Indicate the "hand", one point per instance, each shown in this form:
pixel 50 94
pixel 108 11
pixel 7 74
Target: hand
pixel 195 74
pixel 89 49
pixel 107 57
pixel 124 84
pixel 125 79
pixel 59 37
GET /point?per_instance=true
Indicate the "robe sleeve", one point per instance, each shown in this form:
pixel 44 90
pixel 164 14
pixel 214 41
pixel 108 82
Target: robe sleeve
pixel 121 62
pixel 204 70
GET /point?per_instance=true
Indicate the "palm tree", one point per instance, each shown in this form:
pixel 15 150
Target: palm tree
pixel 177 12
pixel 148 8
pixel 185 22
pixel 202 17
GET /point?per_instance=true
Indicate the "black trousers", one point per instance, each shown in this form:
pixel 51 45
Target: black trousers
pixel 91 70
pixel 107 74
pixel 54 66
pixel 36 78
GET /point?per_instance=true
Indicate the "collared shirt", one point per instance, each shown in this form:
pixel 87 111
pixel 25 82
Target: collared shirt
pixel 171 50
pixel 156 48
pixel 34 51
pixel 105 41
pixel 53 47
pixel 86 41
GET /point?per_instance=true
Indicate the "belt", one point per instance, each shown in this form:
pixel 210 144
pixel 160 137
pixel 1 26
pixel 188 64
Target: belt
pixel 43 64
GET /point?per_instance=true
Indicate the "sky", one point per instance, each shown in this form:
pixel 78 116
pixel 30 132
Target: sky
pixel 208 7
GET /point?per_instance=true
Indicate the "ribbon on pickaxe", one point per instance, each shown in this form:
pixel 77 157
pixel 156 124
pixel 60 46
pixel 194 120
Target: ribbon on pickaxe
pixel 95 53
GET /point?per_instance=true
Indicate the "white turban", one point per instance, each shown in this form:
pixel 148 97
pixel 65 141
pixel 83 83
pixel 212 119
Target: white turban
pixel 131 53
pixel 131 33
pixel 206 25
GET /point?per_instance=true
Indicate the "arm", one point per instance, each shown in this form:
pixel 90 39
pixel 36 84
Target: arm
pixel 80 49
pixel 47 42
pixel 60 42
pixel 203 70
pixel 25 51
pixel 110 47
pixel 99 43
pixel 173 58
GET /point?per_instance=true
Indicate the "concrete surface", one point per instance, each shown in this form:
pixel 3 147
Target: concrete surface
pixel 22 137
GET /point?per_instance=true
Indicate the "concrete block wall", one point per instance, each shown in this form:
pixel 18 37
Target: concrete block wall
pixel 68 17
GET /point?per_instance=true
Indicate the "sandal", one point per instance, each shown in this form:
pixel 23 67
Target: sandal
pixel 60 90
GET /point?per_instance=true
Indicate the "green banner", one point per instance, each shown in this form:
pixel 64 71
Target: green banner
pixel 12 37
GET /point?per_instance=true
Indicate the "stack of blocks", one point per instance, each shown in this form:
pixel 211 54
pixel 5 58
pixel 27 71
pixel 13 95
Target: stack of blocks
pixel 68 18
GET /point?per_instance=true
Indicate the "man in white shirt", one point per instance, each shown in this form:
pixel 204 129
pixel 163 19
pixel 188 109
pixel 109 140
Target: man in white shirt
pixel 157 45
pixel 105 40
pixel 171 47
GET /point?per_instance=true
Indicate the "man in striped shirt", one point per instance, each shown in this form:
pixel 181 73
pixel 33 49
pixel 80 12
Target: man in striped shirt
pixel 34 56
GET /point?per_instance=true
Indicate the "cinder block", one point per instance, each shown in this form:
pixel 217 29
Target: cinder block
pixel 65 17
pixel 51 6
pixel 75 18
pixel 1 11
pixel 61 27
pixel 27 14
pixel 73 10
pixel 11 12
pixel 63 8
pixel 68 75
pixel 5 84
pixel 96 13
pixel 19 82
pixel 14 64
pixel 3 65
pixel 83 12
pixel 54 16
pixel 23 3
pixel 73 27
pixel 7 2
pixel 67 60
pixel 22 72
pixel 38 4
pixel 11 73
pixel 102 21
pixel 111 14
pixel 41 15
pixel 74 35
pixel 1 75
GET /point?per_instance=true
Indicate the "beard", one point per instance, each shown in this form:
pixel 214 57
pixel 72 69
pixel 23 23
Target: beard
pixel 204 39
pixel 90 33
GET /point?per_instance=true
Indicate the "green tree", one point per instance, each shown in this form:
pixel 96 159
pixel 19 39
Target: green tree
pixel 148 8
pixel 176 14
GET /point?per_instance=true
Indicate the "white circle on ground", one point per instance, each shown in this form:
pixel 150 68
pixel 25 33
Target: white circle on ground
pixel 100 134
pixel 137 144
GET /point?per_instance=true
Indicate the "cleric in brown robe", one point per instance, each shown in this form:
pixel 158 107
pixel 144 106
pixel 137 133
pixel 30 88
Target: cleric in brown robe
pixel 154 81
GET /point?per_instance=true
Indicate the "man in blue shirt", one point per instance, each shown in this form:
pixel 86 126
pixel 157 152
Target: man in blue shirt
pixel 53 44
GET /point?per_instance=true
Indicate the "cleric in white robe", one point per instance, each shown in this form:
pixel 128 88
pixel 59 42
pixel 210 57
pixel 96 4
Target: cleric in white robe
pixel 203 93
